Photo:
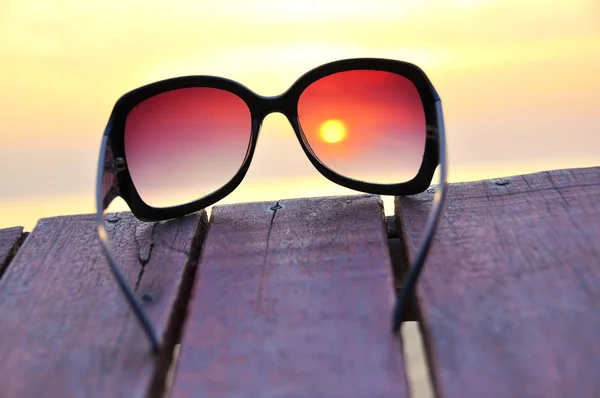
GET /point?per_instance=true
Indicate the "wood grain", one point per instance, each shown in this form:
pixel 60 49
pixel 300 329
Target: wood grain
pixel 293 300
pixel 67 331
pixel 10 239
pixel 510 295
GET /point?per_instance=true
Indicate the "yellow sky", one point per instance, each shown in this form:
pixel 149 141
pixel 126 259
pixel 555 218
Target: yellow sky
pixel 518 79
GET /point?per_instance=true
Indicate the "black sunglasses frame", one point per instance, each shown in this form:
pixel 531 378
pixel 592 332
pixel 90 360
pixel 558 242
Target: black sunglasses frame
pixel 114 180
pixel 260 107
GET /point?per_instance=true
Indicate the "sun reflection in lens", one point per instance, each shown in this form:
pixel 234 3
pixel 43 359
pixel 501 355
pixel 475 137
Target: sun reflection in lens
pixel 333 131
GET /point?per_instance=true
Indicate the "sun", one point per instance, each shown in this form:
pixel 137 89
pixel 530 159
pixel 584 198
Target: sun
pixel 333 131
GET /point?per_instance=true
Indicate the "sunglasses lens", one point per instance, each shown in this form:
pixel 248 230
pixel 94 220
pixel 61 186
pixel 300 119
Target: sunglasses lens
pixel 184 144
pixel 366 125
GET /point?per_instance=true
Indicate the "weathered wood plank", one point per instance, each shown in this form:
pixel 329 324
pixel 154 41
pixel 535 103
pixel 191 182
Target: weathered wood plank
pixel 66 330
pixel 510 297
pixel 293 300
pixel 9 242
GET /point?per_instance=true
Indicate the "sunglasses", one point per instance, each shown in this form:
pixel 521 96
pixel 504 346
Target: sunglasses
pixel 176 146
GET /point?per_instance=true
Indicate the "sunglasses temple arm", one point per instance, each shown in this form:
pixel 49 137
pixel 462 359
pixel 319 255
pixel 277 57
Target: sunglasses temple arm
pixel 405 295
pixel 106 192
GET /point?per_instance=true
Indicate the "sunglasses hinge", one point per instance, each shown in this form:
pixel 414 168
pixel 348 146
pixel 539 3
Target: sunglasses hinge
pixel 432 132
pixel 115 165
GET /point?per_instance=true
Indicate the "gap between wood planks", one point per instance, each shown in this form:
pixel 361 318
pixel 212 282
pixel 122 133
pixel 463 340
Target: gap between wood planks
pixel 162 377
pixel 415 357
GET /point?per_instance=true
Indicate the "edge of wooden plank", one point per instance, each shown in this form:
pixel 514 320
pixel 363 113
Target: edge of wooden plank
pixel 415 309
pixel 400 261
pixel 11 240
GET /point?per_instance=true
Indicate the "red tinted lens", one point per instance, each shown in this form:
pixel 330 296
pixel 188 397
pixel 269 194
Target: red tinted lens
pixel 366 125
pixel 184 144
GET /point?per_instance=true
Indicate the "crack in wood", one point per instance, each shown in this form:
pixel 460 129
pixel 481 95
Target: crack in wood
pixel 144 254
pixel 263 266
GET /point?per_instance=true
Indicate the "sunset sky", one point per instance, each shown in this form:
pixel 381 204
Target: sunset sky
pixel 519 80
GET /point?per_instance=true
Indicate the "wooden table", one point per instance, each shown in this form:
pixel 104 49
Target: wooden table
pixel 292 298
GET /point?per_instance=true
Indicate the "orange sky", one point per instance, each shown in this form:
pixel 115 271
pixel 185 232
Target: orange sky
pixel 518 79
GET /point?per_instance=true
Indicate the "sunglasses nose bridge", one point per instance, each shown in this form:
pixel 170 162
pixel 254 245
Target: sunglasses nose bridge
pixel 275 104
